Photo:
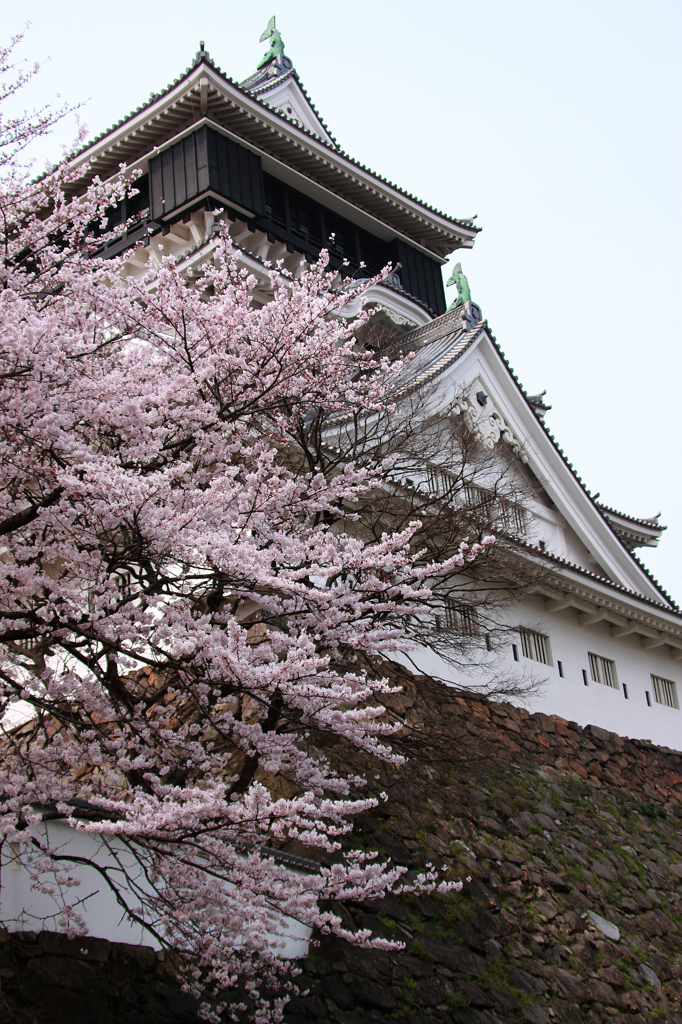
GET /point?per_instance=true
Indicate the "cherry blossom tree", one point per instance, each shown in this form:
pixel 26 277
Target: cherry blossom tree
pixel 184 595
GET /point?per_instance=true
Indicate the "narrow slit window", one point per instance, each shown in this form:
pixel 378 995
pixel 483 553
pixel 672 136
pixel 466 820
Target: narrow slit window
pixel 560 666
pixel 665 692
pixel 535 646
pixel 648 698
pixel 515 652
pixel 625 691
pixel 603 670
pixel 585 680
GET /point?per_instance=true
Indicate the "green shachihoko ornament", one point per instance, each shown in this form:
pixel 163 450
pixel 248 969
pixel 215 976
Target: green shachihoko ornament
pixel 463 289
pixel 276 48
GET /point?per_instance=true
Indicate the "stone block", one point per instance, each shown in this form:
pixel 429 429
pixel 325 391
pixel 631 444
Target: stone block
pixel 536 1014
pixel 339 993
pixel 468 1016
pixel 469 936
pixel 65 1007
pixel 406 966
pixel 547 807
pixel 604 871
pixel 649 976
pixel 62 972
pixel 606 927
pixel 374 994
pixel 475 995
pixel 548 910
pixel 571 921
pixel 492 827
pixel 489 925
pixel 572 986
pixel 430 992
pixel 368 963
pixel 612 976
pixel 544 821
pixel 144 955
pixel 510 872
pixel 526 982
pixel 603 994
pixel 493 951
pixel 556 882
pixel 455 957
pixel 88 948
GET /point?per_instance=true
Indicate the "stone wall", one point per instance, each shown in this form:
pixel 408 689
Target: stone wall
pixel 570 838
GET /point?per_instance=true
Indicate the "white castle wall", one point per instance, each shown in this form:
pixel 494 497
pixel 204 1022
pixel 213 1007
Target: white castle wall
pixel 23 908
pixel 594 704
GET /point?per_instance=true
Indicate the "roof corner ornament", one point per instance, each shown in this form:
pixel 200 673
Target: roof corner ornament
pixel 471 313
pixel 463 289
pixel 538 404
pixel 276 48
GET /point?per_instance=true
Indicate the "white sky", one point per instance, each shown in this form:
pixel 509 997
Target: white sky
pixel 556 122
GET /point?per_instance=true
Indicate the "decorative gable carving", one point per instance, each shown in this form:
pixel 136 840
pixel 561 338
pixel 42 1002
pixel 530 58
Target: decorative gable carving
pixel 277 84
pixel 484 421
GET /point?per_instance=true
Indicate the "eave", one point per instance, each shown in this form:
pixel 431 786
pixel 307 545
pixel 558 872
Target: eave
pixel 634 533
pixel 568 491
pixel 205 92
pixel 451 343
pixel 597 600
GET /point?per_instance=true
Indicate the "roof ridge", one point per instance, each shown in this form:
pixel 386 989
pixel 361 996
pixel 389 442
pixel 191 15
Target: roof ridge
pixel 437 328
pixel 203 57
pixel 263 83
pixel 652 579
pixel 417 334
pixel 633 519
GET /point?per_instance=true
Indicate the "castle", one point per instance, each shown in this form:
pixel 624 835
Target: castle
pixel 602 635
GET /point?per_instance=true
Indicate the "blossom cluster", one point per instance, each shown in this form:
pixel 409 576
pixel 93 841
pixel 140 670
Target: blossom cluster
pixel 174 604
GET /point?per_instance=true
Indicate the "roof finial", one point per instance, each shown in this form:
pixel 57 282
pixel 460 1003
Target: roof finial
pixel 463 289
pixel 202 54
pixel 276 48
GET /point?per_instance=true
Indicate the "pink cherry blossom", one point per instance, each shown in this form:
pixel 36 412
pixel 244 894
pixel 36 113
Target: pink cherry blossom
pixel 174 604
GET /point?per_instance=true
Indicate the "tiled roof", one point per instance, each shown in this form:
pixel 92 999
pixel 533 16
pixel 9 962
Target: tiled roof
pixel 673 608
pixel 203 57
pixel 651 523
pixel 258 83
pixel 431 333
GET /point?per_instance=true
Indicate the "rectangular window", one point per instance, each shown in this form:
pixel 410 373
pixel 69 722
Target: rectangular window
pixel 497 512
pixel 461 618
pixel 665 692
pixel 511 518
pixel 535 646
pixel 603 670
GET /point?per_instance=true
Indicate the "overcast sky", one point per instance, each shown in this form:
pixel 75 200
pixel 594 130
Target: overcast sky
pixel 556 122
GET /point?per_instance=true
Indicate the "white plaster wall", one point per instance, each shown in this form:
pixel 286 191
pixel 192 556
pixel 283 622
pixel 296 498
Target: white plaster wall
pixel 594 704
pixel 23 908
